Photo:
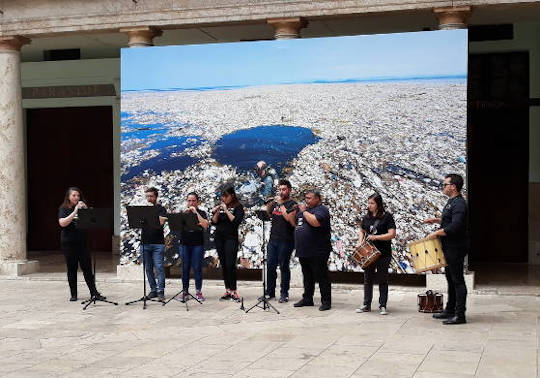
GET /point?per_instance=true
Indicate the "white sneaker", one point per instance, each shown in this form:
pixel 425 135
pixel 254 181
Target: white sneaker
pixel 382 311
pixel 364 308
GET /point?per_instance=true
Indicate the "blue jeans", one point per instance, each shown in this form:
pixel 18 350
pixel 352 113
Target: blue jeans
pixel 279 253
pixel 153 258
pixel 192 256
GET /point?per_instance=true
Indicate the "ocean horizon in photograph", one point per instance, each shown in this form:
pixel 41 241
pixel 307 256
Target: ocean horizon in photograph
pixel 349 116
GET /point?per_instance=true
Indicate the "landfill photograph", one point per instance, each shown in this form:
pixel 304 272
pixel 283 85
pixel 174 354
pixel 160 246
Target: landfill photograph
pixel 348 116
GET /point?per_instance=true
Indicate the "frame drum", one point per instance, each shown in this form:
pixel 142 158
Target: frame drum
pixel 427 254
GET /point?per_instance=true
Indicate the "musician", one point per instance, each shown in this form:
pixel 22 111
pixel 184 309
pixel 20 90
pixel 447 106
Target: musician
pixel 282 210
pixel 153 249
pixel 454 239
pixel 227 217
pixel 378 227
pixel 193 248
pixel 313 247
pixel 74 243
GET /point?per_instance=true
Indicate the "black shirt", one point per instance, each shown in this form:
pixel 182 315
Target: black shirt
pixel 454 223
pixel 312 241
pixel 70 233
pixel 194 237
pixel 227 229
pixel 281 230
pixel 384 224
pixel 154 235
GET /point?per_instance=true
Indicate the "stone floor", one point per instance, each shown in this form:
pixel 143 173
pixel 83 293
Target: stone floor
pixel 42 334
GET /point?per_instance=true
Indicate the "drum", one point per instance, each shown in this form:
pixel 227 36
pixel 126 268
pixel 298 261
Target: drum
pixel 365 254
pixel 427 254
pixel 430 302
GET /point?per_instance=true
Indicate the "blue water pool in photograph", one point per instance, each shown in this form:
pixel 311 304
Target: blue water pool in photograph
pixel 276 145
pixel 132 129
pixel 164 161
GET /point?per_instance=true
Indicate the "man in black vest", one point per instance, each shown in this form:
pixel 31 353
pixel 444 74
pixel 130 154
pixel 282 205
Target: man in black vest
pixel 455 243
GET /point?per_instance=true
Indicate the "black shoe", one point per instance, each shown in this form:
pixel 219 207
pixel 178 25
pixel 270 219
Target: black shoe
pixel 73 298
pixel 151 295
pixel 161 297
pixel 455 320
pixel 303 302
pixel 98 296
pixel 443 315
pixel 270 297
pixel 324 307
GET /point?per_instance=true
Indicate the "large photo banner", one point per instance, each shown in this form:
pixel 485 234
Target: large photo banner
pixel 349 116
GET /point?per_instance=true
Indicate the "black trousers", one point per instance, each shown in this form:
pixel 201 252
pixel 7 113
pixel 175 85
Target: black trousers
pixel 378 270
pixel 315 269
pixel 457 290
pixel 78 254
pixel 227 250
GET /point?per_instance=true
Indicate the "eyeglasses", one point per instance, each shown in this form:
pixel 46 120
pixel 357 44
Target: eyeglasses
pixel 445 184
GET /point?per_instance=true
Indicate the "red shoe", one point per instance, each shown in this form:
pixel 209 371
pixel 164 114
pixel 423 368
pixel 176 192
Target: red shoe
pixel 226 296
pixel 235 297
pixel 200 296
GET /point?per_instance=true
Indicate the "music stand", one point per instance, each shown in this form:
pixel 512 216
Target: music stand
pixel 94 219
pixel 140 217
pixel 263 217
pixel 178 223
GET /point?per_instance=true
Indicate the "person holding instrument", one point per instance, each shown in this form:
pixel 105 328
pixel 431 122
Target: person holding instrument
pixel 153 249
pixel 193 248
pixel 378 227
pixel 455 244
pixel 74 243
pixel 227 217
pixel 313 247
pixel 282 209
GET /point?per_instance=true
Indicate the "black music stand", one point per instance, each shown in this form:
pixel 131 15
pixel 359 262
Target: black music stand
pixel 178 223
pixel 264 217
pixel 140 217
pixel 94 219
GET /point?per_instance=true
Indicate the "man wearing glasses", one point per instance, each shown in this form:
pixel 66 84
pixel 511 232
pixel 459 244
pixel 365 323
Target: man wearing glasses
pixel 153 249
pixel 453 235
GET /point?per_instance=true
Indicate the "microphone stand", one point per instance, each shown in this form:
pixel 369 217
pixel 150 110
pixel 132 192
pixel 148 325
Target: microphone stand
pixel 91 219
pixel 177 222
pixel 263 216
pixel 140 217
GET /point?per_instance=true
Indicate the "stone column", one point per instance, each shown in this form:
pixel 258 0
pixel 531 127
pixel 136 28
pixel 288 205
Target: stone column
pixel 452 17
pixel 141 36
pixel 287 28
pixel 12 162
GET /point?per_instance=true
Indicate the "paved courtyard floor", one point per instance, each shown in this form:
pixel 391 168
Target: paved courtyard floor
pixel 43 335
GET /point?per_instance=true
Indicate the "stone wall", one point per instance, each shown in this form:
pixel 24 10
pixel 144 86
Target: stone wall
pixel 45 17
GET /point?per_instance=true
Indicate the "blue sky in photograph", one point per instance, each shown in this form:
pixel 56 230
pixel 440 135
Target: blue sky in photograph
pixel 368 57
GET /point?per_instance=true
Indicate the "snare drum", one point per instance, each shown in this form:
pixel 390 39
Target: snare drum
pixel 430 302
pixel 365 254
pixel 427 254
